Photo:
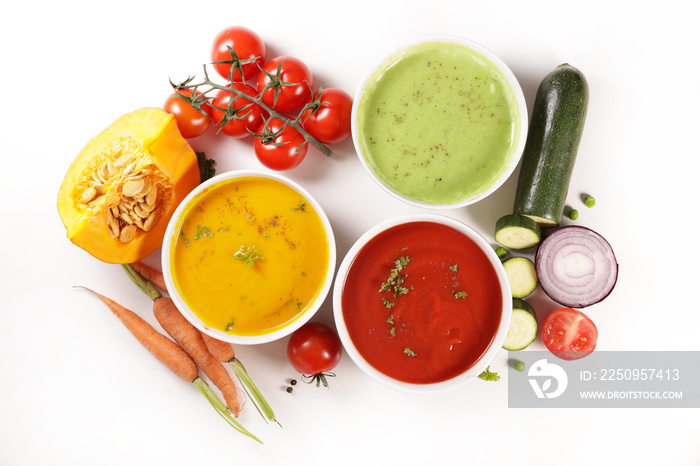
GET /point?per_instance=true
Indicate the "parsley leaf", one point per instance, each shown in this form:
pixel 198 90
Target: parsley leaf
pixel 248 255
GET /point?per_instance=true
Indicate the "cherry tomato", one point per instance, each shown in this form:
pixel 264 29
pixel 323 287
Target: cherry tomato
pixel 569 334
pixel 314 350
pixel 252 117
pixel 330 121
pixel 190 121
pixel 247 45
pixel 281 151
pixel 285 70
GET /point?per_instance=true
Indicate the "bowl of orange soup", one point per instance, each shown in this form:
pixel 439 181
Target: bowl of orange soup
pixel 422 303
pixel 249 257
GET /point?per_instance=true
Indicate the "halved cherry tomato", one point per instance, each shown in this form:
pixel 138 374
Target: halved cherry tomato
pixel 247 45
pixel 190 121
pixel 282 149
pixel 329 122
pixel 569 334
pixel 314 350
pixel 289 82
pixel 251 117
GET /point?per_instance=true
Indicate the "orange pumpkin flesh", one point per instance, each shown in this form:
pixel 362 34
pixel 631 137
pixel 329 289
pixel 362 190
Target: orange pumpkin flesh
pixel 121 190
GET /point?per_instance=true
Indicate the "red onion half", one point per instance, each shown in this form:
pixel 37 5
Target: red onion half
pixel 576 266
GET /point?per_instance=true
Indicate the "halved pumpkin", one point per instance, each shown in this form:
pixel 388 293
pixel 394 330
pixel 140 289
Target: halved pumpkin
pixel 121 190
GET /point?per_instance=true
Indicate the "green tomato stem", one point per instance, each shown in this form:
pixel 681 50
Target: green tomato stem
pixel 293 122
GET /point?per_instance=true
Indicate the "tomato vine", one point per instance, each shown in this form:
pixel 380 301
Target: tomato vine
pixel 198 95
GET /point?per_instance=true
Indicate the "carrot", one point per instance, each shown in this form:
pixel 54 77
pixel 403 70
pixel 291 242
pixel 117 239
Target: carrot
pixel 189 338
pixel 160 346
pixel 219 349
pixel 224 352
pixel 171 355
pixel 191 341
pixel 152 275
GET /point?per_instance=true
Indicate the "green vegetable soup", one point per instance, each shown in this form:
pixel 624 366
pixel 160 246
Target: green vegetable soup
pixel 439 123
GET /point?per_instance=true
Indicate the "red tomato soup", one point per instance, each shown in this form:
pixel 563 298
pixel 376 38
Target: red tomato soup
pixel 421 302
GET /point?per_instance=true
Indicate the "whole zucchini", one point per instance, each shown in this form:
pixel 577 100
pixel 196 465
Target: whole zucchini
pixel 558 116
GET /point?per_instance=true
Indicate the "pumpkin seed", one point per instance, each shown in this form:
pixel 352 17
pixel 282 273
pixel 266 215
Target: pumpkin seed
pixel 113 227
pixel 133 187
pixel 136 220
pixel 142 210
pixel 129 169
pixel 108 170
pixel 146 187
pixel 150 221
pixel 127 233
pixel 126 217
pixel 123 160
pixel 88 195
pixel 97 177
pixel 151 196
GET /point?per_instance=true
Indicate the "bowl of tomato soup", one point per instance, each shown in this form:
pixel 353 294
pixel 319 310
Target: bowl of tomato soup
pixel 422 303
pixel 249 256
pixel 440 123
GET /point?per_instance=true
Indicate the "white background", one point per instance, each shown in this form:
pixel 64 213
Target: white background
pixel 77 389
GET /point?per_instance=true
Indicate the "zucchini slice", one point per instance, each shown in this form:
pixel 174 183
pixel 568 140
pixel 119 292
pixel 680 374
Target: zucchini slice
pixel 553 138
pixel 521 276
pixel 523 327
pixel 516 231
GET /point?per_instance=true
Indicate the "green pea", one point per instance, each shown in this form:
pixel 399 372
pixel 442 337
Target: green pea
pixel 573 214
pixel 501 252
pixel 589 201
pixel 519 366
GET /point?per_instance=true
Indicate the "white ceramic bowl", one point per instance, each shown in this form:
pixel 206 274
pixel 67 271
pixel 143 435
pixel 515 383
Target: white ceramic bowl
pixel 519 131
pixel 493 348
pixel 171 236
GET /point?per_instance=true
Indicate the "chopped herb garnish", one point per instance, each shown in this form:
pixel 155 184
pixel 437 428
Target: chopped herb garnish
pixel 203 232
pixel 388 304
pixel 454 268
pixel 302 207
pixel 489 376
pixel 409 352
pixel 266 237
pixel 402 262
pixel 459 294
pixel 229 326
pixel 248 255
pixel 184 238
pixel 390 320
pixel 395 281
